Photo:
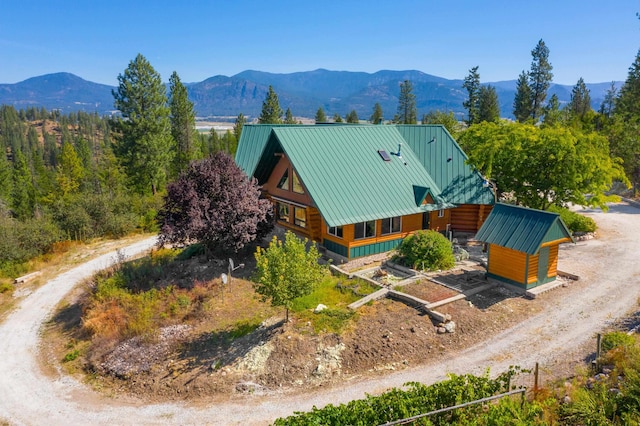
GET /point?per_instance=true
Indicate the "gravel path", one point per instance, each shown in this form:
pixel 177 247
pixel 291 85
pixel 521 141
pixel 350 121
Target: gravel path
pixel 609 271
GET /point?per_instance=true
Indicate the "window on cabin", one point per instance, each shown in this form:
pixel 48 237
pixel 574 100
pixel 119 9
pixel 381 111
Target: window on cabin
pixel 336 231
pixel 297 185
pixel 300 216
pixel 391 225
pixel 282 212
pixel 364 229
pixel 441 213
pixel 284 181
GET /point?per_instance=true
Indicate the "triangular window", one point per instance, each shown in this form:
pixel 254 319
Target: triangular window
pixel 297 185
pixel 284 181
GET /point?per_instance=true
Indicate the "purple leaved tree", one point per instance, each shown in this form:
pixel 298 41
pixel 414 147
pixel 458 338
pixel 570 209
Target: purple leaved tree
pixel 213 202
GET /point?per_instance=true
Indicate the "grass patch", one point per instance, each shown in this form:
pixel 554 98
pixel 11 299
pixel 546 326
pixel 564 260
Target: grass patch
pixel 336 294
pixel 244 327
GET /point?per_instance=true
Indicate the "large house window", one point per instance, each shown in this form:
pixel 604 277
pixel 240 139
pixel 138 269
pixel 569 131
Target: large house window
pixel 441 213
pixel 391 225
pixel 300 216
pixel 364 229
pixel 297 185
pixel 284 181
pixel 282 211
pixel 336 231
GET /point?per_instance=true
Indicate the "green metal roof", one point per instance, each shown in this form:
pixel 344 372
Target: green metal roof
pixel 521 228
pixel 346 177
pixel 252 142
pixel 445 161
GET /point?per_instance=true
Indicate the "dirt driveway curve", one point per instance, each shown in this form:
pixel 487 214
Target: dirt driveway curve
pixel 609 288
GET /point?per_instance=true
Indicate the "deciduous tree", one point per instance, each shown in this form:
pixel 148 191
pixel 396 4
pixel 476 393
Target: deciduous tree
pixel 286 271
pixel 214 202
pixel 544 166
pixel 448 120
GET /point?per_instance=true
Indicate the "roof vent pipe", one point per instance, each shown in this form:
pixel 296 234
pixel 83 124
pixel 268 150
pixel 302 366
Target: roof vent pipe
pixel 398 153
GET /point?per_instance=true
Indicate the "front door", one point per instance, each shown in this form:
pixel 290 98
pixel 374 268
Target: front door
pixel 425 220
pixel 543 264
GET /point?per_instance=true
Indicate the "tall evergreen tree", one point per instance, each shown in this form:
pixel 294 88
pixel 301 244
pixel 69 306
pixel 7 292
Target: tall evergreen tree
pixel 288 117
pixel 23 194
pixel 377 117
pixel 5 177
pixel 241 120
pixel 472 104
pixel 580 99
pixel 271 111
pixel 183 124
pixel 552 112
pixel 337 118
pixel 608 103
pixel 540 78
pixel 70 171
pixel 352 117
pixel 488 105
pixel 522 100
pixel 627 104
pixel 321 117
pixel 407 111
pixel 146 146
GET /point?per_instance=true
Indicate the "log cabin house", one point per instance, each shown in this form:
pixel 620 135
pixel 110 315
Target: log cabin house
pixel 359 190
pixel 523 245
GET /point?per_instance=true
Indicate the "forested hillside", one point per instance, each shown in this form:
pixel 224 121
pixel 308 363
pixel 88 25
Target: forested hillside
pixel 62 178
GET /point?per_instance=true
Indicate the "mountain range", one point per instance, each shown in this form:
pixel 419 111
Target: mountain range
pixel 223 98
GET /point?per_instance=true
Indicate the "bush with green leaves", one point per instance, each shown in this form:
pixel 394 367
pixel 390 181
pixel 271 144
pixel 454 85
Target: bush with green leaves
pixel 574 221
pixel 427 250
pixel 617 339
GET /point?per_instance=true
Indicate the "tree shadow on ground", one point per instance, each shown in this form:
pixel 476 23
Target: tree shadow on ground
pixel 69 320
pixel 219 349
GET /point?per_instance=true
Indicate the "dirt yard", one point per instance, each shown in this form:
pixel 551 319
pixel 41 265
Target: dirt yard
pixel 188 362
pixel 281 369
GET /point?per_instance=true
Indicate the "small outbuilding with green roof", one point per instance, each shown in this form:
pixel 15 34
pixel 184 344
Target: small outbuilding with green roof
pixel 523 244
pixel 356 189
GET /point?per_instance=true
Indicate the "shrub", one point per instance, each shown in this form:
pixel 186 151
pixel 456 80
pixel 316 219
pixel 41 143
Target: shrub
pixel 574 221
pixel 427 250
pixel 617 339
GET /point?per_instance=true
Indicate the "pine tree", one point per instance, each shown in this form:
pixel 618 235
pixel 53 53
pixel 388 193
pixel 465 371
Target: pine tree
pixel 377 116
pixel 540 78
pixel 183 124
pixel 522 99
pixel 23 194
pixel 146 145
pixel 337 118
pixel 70 171
pixel 352 117
pixel 627 104
pixel 608 103
pixel 288 117
pixel 241 120
pixel 488 105
pixel 271 111
pixel 407 112
pixel 472 104
pixel 321 117
pixel 580 102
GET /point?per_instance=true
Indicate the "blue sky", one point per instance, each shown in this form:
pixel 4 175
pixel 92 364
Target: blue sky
pixel 594 39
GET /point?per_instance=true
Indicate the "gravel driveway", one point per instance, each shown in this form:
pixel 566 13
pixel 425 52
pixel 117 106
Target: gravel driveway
pixel 608 289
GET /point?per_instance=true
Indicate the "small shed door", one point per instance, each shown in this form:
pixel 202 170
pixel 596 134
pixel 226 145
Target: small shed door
pixel 543 264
